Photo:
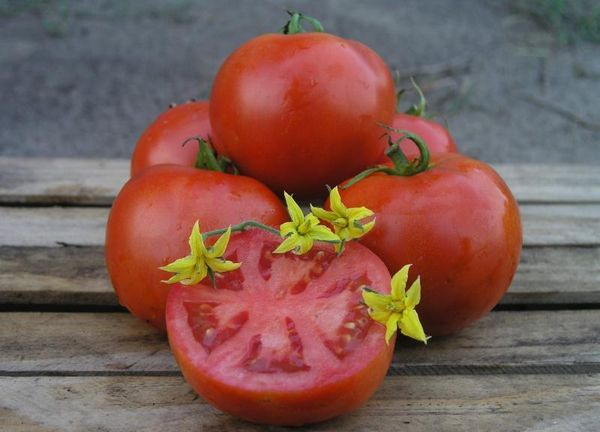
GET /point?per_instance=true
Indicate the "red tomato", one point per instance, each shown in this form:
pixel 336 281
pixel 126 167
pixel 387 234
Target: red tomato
pixel 457 223
pixel 161 142
pixel 286 339
pixel 300 111
pixel 151 220
pixel 436 136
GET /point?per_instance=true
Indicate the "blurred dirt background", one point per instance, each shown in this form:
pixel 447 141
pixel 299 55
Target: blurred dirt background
pixel 515 80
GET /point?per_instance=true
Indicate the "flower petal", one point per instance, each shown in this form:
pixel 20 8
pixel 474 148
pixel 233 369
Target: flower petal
pixel 180 264
pixel 177 278
pixel 288 244
pixel 322 233
pixel 413 295
pixel 220 265
pixel 368 226
pixel 358 213
pixel 196 242
pixel 391 326
pixel 399 282
pixel 218 249
pixel 380 316
pixel 305 244
pixel 293 209
pixel 335 201
pixel 375 300
pixel 287 228
pixel 411 326
pixel 197 276
pixel 323 214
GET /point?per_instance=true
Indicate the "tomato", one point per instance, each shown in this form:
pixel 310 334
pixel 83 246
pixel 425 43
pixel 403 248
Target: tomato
pixel 301 111
pixel 457 223
pixel 152 217
pixel 286 339
pixel 162 141
pixel 436 136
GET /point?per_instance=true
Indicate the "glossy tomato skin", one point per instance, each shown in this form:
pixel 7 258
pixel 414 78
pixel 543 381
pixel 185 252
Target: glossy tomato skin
pixel 151 220
pixel 458 224
pixel 436 136
pixel 328 386
pixel 300 111
pixel 161 142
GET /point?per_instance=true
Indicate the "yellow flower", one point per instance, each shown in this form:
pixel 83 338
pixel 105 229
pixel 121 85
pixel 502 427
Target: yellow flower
pixel 397 310
pixel 302 231
pixel 346 221
pixel 202 261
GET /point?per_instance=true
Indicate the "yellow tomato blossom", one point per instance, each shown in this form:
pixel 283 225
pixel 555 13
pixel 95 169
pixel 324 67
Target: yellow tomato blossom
pixel 301 232
pixel 202 261
pixel 397 310
pixel 346 221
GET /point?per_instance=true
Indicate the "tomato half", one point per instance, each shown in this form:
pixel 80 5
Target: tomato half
pixel 436 136
pixel 151 219
pixel 286 339
pixel 301 111
pixel 161 142
pixel 457 223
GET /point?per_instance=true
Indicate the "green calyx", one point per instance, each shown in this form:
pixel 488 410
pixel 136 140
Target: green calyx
pixel 295 24
pixel 402 166
pixel 208 160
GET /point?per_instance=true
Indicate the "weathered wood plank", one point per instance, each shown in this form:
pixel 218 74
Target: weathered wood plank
pixel 77 276
pixel 451 403
pixel 568 224
pixel 61 180
pixel 552 183
pixel 52 226
pixel 97 181
pixel 78 343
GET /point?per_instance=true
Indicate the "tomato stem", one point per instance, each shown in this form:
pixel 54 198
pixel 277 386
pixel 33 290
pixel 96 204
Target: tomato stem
pixel 241 227
pixel 420 109
pixel 402 166
pixel 207 160
pixel 294 24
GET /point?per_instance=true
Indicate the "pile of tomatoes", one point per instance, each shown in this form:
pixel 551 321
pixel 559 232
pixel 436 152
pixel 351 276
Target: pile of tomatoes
pixel 286 338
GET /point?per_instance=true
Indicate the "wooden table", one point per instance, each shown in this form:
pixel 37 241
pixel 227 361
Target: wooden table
pixel 72 359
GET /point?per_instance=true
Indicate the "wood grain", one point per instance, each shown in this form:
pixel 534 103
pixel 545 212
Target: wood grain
pixel 77 276
pixel 118 343
pixel 61 180
pixel 550 403
pixel 97 181
pixel 551 224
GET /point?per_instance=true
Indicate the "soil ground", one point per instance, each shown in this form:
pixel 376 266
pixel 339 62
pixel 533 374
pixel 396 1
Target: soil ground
pixel 83 78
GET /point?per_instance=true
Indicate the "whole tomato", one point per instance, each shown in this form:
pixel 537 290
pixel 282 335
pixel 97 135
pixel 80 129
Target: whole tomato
pixel 284 339
pixel 456 221
pixel 162 141
pixel 152 216
pixel 415 120
pixel 299 111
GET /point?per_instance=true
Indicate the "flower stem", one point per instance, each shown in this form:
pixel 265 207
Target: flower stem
pixel 241 227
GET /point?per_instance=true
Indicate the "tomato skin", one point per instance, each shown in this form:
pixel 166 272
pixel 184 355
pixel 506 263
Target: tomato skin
pixel 458 224
pixel 300 111
pixel 151 220
pixel 289 409
pixel 292 399
pixel 161 142
pixel 436 136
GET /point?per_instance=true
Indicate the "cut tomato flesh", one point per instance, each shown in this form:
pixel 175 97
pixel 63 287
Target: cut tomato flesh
pixel 281 324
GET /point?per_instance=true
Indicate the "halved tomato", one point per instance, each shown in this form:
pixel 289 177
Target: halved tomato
pixel 286 339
